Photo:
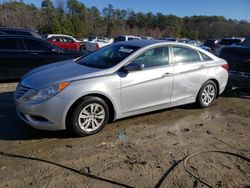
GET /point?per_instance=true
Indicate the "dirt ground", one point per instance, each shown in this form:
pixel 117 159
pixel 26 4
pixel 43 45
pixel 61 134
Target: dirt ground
pixel 141 151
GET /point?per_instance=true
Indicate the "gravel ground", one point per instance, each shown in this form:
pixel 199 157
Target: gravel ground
pixel 141 151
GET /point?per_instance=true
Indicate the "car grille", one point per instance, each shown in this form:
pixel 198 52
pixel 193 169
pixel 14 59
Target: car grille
pixel 21 90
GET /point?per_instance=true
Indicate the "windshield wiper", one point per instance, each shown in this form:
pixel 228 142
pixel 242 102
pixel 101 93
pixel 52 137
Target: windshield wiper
pixel 92 65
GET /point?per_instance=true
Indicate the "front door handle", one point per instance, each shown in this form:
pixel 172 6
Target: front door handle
pixel 167 74
pixel 33 53
pixel 202 67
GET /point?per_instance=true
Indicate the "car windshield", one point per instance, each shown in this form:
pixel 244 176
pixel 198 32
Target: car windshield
pixel 108 56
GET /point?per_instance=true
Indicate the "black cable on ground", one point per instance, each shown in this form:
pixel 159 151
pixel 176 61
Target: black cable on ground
pixel 168 172
pixel 203 152
pixel 184 159
pixel 66 167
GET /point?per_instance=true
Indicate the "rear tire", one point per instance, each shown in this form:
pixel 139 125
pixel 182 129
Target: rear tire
pixel 89 117
pixel 207 94
pixel 83 48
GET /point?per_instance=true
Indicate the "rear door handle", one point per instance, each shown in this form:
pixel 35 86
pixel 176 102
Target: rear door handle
pixel 167 74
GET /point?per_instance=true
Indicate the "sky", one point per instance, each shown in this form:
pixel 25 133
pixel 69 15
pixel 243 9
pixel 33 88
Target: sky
pixel 234 9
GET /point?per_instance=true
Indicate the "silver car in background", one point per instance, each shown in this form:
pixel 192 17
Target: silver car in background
pixel 117 81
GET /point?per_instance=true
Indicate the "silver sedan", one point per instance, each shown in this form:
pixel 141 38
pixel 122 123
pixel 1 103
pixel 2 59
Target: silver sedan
pixel 117 81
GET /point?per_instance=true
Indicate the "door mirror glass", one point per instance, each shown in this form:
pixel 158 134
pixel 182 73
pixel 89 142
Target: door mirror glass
pixel 134 66
pixel 55 50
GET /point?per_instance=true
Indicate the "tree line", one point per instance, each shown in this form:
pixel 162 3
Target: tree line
pixel 74 18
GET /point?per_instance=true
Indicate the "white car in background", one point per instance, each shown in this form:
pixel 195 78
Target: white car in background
pixel 98 43
pixel 122 38
pixel 146 38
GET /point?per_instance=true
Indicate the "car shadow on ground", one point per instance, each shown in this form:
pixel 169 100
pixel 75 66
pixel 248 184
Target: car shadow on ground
pixel 12 128
pixel 243 94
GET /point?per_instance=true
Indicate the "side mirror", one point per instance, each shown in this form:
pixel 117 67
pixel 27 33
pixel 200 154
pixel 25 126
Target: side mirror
pixel 54 50
pixel 134 66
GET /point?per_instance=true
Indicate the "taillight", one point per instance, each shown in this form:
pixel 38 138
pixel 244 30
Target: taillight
pixel 225 66
pixel 97 46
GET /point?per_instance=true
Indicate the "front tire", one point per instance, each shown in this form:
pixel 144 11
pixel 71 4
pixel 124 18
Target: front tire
pixel 90 116
pixel 207 94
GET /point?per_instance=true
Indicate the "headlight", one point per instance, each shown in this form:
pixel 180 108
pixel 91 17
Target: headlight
pixel 46 93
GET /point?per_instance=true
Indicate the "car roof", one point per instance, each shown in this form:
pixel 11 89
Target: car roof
pixel 127 36
pixel 142 43
pixel 20 36
pixel 232 38
pixel 58 35
pixel 17 29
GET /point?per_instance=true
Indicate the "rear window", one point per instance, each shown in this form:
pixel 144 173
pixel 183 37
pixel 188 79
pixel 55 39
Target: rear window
pixel 229 41
pixel 119 39
pixel 205 57
pixel 209 42
pixel 8 44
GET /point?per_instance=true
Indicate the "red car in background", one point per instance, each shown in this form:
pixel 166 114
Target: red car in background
pixel 65 42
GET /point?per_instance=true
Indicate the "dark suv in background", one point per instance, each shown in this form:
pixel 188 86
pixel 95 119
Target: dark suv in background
pixel 19 54
pixel 238 59
pixel 227 42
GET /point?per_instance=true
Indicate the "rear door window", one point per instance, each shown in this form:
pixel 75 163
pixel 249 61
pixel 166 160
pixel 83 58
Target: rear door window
pixel 185 55
pixel 8 44
pixel 55 39
pixel 35 45
pixel 67 39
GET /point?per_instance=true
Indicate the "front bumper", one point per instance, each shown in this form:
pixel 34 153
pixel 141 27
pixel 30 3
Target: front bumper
pixel 46 115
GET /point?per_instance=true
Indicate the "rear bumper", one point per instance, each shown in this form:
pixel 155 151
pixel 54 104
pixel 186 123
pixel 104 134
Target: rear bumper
pixel 238 82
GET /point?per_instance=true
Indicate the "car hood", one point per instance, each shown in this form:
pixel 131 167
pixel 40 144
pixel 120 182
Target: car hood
pixel 55 73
